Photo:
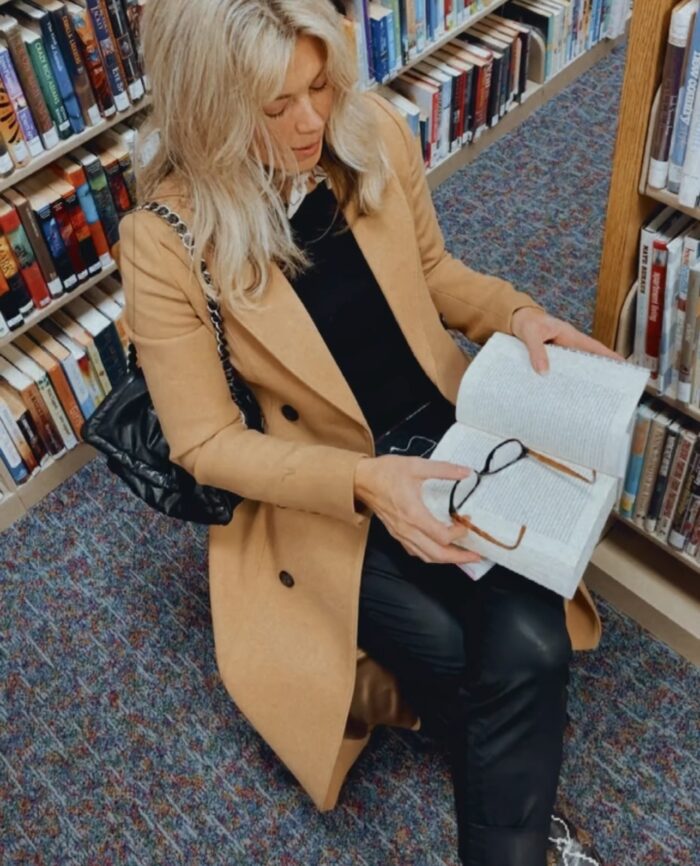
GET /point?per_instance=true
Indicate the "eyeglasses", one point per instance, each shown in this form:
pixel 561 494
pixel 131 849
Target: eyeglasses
pixel 501 457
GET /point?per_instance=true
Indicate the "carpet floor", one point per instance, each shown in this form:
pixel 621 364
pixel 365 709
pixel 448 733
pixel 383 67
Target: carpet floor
pixel 119 744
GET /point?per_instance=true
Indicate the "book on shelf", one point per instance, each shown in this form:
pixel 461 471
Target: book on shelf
pixel 653 453
pixel 635 463
pixel 46 362
pixel 75 365
pixel 33 386
pixel 672 432
pixel 106 302
pixel 82 345
pixel 10 455
pixel 12 228
pixel 549 519
pixel 92 59
pixel 428 73
pixel 79 230
pixel 37 427
pixel 15 94
pixel 679 467
pixel 109 52
pixel 686 508
pixel 684 109
pixel 16 420
pixel 99 187
pixel 123 41
pixel 41 65
pixel 106 338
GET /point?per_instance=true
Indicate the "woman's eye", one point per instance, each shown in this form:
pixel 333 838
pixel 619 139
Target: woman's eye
pixel 276 113
pixel 319 87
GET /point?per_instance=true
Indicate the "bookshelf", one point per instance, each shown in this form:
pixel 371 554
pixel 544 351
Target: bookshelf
pixel 639 574
pixel 19 499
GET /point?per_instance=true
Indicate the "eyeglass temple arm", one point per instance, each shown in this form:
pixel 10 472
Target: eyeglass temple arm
pixel 466 522
pixel 556 465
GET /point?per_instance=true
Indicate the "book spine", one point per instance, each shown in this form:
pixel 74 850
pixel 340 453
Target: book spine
pixel 634 466
pixel 117 187
pixel 61 75
pixel 95 68
pixel 684 112
pixel 19 103
pixel 104 202
pixel 693 545
pixel 82 233
pixel 9 306
pixel 679 469
pixel 676 538
pixel 99 373
pixel 411 29
pixel 682 539
pixel 63 406
pixel 27 428
pixel 11 457
pixel 57 249
pixel 31 88
pixel 690 333
pixel 652 459
pixel 122 38
pixel 111 363
pixel 99 238
pixel 24 255
pixel 661 479
pixel 134 15
pixel 421 34
pixel 49 88
pixel 11 131
pixel 17 436
pixel 70 242
pixel 43 422
pixel 4 330
pixel 670 85
pixel 379 55
pixel 659 259
pixel 68 41
pixel 38 245
pixel 110 54
pixel 669 320
pixel 10 270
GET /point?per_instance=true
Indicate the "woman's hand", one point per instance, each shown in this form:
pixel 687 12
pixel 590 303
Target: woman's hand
pixel 535 328
pixel 391 487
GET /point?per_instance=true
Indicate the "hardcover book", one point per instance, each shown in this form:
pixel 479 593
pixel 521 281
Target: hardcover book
pixel 543 512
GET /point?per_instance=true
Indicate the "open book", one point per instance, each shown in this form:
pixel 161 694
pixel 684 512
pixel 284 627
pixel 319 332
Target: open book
pixel 581 414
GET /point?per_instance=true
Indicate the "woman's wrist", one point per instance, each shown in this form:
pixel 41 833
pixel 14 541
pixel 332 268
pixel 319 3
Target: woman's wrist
pixel 363 480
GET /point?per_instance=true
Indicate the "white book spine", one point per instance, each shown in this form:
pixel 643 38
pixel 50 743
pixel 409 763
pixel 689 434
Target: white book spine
pixel 689 188
pixel 7 447
pixel 644 282
pixel 4 330
pixel 669 322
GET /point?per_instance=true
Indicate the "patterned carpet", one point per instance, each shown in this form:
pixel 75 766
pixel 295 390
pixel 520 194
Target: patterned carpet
pixel 118 743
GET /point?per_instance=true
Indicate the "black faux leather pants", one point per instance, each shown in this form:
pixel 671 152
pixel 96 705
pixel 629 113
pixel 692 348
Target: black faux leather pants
pixel 486 666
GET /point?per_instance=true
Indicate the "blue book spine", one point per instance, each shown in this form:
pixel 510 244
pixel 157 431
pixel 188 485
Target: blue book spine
pixel 57 249
pixel 634 467
pixel 11 458
pixel 380 50
pixel 421 35
pixel 430 21
pixel 684 112
pixel 388 26
pixel 60 73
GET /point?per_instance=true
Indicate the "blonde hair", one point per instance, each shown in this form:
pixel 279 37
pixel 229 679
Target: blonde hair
pixel 213 64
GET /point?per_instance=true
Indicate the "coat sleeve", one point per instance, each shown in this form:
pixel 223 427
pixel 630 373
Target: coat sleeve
pixel 200 421
pixel 473 303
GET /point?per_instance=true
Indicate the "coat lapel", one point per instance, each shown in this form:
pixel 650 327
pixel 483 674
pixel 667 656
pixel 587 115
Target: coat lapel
pixel 283 327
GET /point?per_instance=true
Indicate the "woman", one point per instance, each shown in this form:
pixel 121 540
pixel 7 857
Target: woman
pixel 310 204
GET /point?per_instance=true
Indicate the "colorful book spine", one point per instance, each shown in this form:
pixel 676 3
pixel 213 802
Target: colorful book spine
pixel 36 241
pixel 94 66
pixel 679 469
pixel 47 83
pixel 16 434
pixel 67 39
pixel 70 241
pixel 61 74
pixel 684 112
pixel 657 495
pixel 57 249
pixel 122 38
pixel 11 457
pixel 677 537
pixel 99 238
pixel 30 86
pixel 11 131
pixel 634 466
pixel 650 468
pixel 110 54
pixel 99 186
pixel 24 254
pixel 11 272
pixel 9 308
pixel 14 90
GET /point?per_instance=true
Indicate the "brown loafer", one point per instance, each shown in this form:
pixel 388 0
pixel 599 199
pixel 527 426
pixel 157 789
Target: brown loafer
pixel 569 846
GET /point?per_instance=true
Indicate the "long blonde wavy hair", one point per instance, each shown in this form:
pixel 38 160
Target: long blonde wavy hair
pixel 213 65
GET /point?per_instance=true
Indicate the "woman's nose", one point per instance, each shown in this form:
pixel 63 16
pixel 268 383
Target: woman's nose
pixel 309 120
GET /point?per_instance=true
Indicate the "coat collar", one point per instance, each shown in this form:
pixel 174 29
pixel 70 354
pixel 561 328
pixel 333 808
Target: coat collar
pixel 283 327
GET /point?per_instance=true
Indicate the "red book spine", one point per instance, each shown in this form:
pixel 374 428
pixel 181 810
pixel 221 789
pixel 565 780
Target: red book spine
pixel 659 258
pixel 36 284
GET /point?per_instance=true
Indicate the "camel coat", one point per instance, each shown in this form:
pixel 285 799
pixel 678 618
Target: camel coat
pixel 285 573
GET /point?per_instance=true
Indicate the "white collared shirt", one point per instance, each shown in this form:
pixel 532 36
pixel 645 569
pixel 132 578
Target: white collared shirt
pixel 300 188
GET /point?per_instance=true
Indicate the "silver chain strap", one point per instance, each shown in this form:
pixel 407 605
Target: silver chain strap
pixel 240 392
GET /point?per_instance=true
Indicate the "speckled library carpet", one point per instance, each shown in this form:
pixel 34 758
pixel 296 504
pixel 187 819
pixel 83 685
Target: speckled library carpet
pixel 118 743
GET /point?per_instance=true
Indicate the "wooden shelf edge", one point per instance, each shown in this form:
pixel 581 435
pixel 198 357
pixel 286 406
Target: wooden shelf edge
pixel 688 561
pixel 11 510
pixel 65 147
pixel 536 96
pixel 670 200
pixel 640 580
pixel 34 490
pixel 39 315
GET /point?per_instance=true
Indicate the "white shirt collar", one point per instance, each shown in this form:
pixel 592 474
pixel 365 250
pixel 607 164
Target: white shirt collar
pixel 300 188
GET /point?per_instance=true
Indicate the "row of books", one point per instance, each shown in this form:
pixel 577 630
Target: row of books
pixel 59 227
pixel 54 377
pixel 667 329
pixel 64 66
pixel 391 33
pixel 465 87
pixel 661 489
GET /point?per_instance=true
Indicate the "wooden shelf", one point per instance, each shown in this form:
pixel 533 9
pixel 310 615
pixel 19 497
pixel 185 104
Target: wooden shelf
pixel 55 473
pixel 38 315
pixel 536 95
pixel 11 510
pixel 690 561
pixel 65 147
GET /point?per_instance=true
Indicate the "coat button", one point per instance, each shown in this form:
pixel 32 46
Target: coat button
pixel 290 413
pixel 287 579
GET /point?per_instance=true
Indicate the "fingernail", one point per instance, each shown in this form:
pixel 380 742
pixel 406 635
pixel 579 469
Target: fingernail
pixel 542 368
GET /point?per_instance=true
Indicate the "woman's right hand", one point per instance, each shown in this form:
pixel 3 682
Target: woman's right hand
pixel 391 487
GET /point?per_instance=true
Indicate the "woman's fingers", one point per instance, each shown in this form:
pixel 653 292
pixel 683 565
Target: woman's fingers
pixel 424 468
pixel 431 551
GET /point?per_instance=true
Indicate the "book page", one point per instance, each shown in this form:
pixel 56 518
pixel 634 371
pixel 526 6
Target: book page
pixel 560 513
pixel 581 410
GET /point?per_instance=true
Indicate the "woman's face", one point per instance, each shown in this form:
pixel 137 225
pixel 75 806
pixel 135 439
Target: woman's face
pixel 297 118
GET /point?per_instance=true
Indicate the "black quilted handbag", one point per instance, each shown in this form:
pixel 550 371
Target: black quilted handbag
pixel 126 429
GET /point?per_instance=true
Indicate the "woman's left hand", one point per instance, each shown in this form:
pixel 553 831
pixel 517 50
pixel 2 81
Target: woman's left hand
pixel 535 328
